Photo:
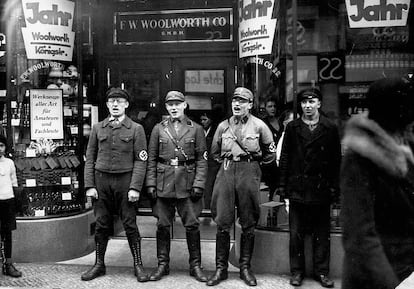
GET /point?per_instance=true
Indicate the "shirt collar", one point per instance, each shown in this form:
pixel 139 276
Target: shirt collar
pixel 242 120
pixel 121 118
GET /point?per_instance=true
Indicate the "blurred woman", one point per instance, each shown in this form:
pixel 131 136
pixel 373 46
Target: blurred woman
pixel 377 185
pixel 209 126
pixel 270 173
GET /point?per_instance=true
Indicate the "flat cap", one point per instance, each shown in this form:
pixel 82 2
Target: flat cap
pixel 174 95
pixel 309 93
pixel 243 92
pixel 116 92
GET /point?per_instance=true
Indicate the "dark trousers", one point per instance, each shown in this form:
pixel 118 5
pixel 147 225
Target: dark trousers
pixel 113 200
pixel 237 184
pixel 314 219
pixel 189 211
pixel 7 224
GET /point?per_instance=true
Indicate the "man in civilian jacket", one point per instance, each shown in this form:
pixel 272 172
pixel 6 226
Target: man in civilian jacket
pixel 176 176
pixel 309 170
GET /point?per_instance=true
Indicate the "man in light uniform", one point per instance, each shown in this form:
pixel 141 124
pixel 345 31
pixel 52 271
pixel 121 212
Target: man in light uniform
pixel 240 144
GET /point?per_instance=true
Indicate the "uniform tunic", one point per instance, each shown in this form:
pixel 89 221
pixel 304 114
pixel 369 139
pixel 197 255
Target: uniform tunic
pixel 177 162
pixel 238 180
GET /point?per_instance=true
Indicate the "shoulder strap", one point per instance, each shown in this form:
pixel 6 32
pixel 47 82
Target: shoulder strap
pixel 236 139
pixel 175 142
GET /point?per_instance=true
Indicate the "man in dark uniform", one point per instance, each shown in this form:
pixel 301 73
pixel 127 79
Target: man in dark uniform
pixel 176 176
pixel 114 175
pixel 240 144
pixel 309 168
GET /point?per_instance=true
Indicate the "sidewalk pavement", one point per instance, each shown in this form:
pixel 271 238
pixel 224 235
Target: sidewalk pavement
pixel 66 274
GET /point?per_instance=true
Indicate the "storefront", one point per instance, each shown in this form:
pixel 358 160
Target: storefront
pixel 45 114
pixel 202 48
pixel 340 48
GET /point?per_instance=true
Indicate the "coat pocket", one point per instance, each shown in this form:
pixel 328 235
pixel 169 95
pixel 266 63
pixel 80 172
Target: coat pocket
pixel 126 143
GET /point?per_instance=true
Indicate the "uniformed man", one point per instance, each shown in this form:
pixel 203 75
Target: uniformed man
pixel 240 143
pixel 176 176
pixel 114 175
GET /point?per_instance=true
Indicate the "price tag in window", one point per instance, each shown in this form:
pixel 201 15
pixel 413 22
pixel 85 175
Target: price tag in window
pixel 39 213
pixel 74 129
pixel 65 181
pixel 30 153
pixel 66 196
pixel 67 111
pixel 15 122
pixel 30 182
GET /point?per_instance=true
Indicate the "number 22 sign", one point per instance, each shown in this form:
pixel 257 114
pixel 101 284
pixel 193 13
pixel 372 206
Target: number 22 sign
pixel 331 67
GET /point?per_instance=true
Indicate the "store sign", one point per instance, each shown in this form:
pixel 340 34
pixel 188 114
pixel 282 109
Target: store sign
pixel 211 81
pixel 377 13
pixel 48 33
pixel 2 44
pixel 256 28
pixel 331 67
pixel 198 102
pixel 46 114
pixel 269 65
pixel 173 26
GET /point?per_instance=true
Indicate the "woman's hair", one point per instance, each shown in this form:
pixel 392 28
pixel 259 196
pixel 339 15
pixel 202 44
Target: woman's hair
pixel 285 114
pixel 3 140
pixel 391 103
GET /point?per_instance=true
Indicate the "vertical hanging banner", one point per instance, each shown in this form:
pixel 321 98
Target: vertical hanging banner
pixel 48 33
pixel 46 114
pixel 256 27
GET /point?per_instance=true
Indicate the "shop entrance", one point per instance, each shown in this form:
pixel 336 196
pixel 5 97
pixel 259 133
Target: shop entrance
pixel 148 81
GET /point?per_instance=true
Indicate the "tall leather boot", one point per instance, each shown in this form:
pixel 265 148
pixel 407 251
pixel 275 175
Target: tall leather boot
pixel 99 268
pixel 163 254
pixel 7 266
pixel 194 250
pixel 222 258
pixel 246 252
pixel 135 246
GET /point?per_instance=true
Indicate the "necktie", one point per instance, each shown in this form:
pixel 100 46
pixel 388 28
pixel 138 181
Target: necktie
pixel 176 123
pixel 115 121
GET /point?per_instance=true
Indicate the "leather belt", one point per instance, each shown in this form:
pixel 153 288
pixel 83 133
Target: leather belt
pixel 241 159
pixel 175 162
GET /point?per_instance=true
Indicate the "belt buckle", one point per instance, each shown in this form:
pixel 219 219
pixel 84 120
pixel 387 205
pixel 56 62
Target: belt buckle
pixel 174 162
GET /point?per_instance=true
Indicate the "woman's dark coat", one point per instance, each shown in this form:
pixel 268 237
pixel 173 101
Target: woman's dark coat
pixel 377 186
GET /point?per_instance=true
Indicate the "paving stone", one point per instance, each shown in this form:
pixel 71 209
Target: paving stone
pixel 64 276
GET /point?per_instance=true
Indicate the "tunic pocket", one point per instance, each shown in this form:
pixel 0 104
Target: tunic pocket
pixel 189 147
pixel 160 179
pixel 227 142
pixel 251 142
pixel 190 177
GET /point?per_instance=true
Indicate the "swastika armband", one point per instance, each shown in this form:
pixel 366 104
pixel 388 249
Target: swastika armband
pixel 205 155
pixel 143 155
pixel 272 147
